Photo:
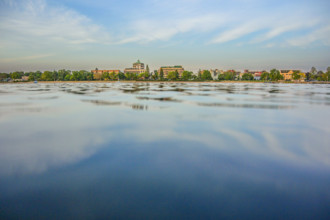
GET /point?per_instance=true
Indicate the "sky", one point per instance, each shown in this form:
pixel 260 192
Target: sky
pixel 198 34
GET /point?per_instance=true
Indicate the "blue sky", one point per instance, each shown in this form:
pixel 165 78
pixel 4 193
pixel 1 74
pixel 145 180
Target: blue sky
pixel 236 34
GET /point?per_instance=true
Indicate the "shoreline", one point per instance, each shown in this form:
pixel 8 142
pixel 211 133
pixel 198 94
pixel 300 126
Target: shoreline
pixel 170 82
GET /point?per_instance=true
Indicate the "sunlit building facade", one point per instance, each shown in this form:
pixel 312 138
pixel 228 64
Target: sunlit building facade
pixel 167 69
pixel 97 74
pixel 138 68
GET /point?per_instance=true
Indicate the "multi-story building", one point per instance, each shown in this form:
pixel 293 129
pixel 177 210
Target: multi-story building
pixel 167 69
pixel 287 74
pixel 98 73
pixel 256 74
pixel 138 68
pixel 215 73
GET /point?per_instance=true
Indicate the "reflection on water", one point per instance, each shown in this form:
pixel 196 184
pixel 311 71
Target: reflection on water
pixel 164 151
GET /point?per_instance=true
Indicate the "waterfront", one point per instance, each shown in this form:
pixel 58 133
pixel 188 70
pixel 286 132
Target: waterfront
pixel 164 150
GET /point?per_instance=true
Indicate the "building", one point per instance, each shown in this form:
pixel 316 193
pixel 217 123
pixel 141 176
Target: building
pixel 256 74
pixel 215 73
pixel 287 74
pixel 167 69
pixel 138 68
pixel 25 78
pixel 97 74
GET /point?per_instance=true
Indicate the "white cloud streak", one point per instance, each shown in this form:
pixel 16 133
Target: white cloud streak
pixel 165 30
pixel 36 22
pixel 236 33
pixel 322 35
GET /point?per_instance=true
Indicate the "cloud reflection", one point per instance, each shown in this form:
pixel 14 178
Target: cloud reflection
pixel 68 130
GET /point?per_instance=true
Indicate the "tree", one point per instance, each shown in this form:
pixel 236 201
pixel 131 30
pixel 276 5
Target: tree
pixel 76 76
pixel 141 76
pixel 328 76
pixel 206 75
pixel 313 70
pixel 199 75
pixel 264 76
pixel 62 73
pixel 177 76
pixel 84 74
pixel 155 75
pixel 275 75
pixel 90 76
pixel 147 70
pixel 221 77
pixel 186 75
pixel 161 74
pixel 172 75
pixel 47 76
pixel 320 76
pixel 228 76
pixel 121 76
pixel 113 76
pixel 16 75
pixel 105 76
pixel 296 75
pixel 328 69
pixel 247 76
pixel 67 77
pixel 147 75
pixel 131 76
pixel 4 76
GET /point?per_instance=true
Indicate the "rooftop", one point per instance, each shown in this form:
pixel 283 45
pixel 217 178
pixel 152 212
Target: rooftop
pixel 171 67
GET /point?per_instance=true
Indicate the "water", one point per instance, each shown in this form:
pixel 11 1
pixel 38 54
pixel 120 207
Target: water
pixel 164 151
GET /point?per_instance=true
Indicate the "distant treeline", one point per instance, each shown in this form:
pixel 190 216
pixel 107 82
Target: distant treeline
pixel 205 75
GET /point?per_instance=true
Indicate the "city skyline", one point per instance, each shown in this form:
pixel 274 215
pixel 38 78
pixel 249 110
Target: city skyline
pixel 241 34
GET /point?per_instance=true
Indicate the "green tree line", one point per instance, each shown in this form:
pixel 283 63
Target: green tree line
pixel 67 75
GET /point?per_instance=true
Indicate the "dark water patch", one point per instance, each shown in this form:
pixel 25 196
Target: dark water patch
pixel 29 109
pixel 227 90
pixel 139 107
pixel 178 90
pixel 37 90
pixel 101 102
pixel 161 99
pixel 74 92
pixel 197 94
pixel 43 98
pixel 133 90
pixel 14 104
pixel 256 106
pixel 275 91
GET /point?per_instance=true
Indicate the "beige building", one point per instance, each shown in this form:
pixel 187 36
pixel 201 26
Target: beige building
pixel 138 68
pixel 215 73
pixel 167 69
pixel 25 78
pixel 98 73
pixel 287 74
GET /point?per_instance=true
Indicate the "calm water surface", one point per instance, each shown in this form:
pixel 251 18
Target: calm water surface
pixel 164 151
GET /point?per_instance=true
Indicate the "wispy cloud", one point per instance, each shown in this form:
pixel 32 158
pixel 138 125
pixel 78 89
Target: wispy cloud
pixel 166 29
pixel 236 32
pixel 265 28
pixel 321 35
pixel 35 21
